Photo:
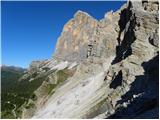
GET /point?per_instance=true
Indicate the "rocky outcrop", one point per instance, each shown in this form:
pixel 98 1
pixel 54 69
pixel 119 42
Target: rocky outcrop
pixel 101 69
pixel 83 36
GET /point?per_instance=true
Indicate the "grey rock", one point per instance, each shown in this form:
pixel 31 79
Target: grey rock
pixel 154 39
pixel 116 66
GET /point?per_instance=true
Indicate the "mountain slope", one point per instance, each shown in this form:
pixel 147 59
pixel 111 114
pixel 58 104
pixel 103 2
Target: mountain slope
pixel 9 80
pixel 100 69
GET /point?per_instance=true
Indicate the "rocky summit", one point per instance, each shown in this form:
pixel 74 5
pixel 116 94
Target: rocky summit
pixel 104 68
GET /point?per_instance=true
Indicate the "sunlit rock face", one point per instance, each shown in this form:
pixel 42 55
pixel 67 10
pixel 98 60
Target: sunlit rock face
pixel 84 35
pixel 101 69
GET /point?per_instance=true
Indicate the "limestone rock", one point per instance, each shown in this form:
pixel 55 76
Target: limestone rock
pixel 102 69
pixel 83 36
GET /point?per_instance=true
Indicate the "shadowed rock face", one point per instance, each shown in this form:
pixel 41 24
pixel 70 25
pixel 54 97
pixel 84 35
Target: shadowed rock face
pixel 101 69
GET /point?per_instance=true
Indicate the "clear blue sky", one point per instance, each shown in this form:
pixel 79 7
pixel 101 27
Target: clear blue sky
pixel 30 29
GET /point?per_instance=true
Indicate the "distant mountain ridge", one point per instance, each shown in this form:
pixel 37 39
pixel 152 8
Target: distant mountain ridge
pixel 16 68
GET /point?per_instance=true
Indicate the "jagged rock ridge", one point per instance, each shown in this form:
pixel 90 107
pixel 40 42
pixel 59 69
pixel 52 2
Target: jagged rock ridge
pixel 101 69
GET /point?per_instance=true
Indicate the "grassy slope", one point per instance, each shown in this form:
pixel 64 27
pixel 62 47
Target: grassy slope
pixel 18 92
pixel 15 92
pixel 9 79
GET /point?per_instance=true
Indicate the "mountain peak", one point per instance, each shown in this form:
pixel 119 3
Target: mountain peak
pixel 81 13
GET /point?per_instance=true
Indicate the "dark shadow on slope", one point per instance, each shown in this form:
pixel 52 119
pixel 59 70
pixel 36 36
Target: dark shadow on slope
pixel 117 81
pixel 127 24
pixel 124 19
pixel 148 85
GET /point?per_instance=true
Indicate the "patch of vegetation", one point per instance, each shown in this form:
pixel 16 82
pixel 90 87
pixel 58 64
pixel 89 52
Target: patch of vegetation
pixel 61 77
pixel 30 105
pixel 9 98
pixel 34 74
pixel 50 88
pixel 7 114
pixel 33 97
pixel 96 110
pixel 17 92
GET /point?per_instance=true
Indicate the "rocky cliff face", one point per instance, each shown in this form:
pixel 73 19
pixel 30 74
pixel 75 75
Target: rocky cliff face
pixel 101 69
pixel 84 36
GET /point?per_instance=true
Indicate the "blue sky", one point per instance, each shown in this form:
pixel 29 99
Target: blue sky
pixel 30 29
